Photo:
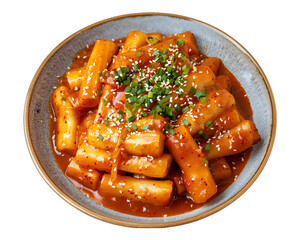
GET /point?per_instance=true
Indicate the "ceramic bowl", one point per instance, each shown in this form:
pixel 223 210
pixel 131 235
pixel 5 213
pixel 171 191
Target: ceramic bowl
pixel 212 42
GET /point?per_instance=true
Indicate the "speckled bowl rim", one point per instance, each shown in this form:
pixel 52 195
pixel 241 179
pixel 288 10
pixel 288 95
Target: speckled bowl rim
pixel 131 224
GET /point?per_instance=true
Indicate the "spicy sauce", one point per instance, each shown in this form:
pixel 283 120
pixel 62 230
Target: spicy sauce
pixel 179 204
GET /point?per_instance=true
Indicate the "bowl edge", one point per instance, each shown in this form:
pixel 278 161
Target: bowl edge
pixel 83 209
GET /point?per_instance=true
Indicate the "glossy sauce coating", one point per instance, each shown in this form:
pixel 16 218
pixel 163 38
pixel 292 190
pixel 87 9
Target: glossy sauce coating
pixel 179 204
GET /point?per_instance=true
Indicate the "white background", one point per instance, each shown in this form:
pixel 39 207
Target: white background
pixel 269 30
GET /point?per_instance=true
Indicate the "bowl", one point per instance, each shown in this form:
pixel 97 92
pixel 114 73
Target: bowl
pixel 212 42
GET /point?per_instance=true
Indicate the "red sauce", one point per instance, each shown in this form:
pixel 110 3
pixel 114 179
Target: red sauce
pixel 178 205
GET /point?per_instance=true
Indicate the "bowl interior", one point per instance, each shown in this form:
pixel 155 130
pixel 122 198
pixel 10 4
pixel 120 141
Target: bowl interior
pixel 216 43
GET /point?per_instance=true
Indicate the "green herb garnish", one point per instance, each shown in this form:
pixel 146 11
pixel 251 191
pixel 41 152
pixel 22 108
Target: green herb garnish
pixel 100 137
pixel 144 114
pixel 145 127
pixel 192 90
pixel 165 99
pixel 134 127
pixel 200 94
pixel 206 148
pixel 185 109
pixel 180 42
pixel 209 124
pixel 152 41
pixel 185 69
pixel 136 68
pixel 172 131
pixel 185 122
pixel 131 119
pixel 203 99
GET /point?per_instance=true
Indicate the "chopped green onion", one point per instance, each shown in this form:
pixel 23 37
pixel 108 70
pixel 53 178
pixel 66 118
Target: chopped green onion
pixel 152 41
pixel 155 53
pixel 133 84
pixel 154 114
pixel 134 126
pixel 128 89
pixel 160 72
pixel 192 90
pixel 139 54
pixel 185 122
pixel 164 77
pixel 209 124
pixel 144 114
pixel 106 122
pixel 136 68
pixel 139 92
pixel 206 148
pixel 104 102
pixel 169 69
pixel 180 42
pixel 185 109
pixel 128 129
pixel 172 131
pixel 177 108
pixel 203 99
pixel 121 112
pixel 131 119
pixel 136 106
pixel 185 69
pixel 132 99
pixel 100 137
pixel 142 99
pixel 126 82
pixel 134 90
pixel 204 161
pixel 169 111
pixel 165 99
pixel 63 98
pixel 200 94
pixel 145 127
pixel 150 94
pixel 99 92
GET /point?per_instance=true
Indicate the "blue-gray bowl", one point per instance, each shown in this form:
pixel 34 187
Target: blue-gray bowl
pixel 212 42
